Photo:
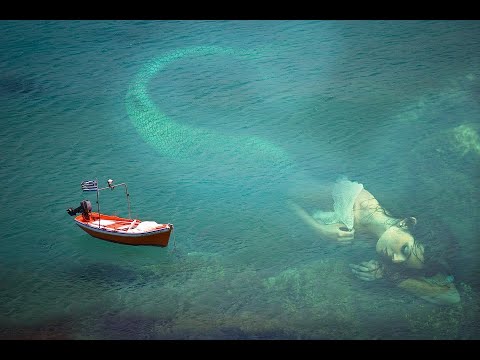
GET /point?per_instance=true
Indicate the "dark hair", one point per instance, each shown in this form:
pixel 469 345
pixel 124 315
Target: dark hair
pixel 439 246
pixel 438 242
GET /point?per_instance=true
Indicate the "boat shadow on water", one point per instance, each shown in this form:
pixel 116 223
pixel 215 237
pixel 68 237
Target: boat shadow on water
pixel 112 274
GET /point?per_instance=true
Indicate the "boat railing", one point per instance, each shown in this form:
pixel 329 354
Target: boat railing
pixel 112 186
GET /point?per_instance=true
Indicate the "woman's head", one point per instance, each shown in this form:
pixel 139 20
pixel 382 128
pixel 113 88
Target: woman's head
pixel 426 245
pixel 398 246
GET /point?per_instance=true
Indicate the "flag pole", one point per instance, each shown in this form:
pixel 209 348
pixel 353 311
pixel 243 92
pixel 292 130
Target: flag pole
pixel 98 204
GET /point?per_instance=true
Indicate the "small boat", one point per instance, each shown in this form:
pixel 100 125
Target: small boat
pixel 118 229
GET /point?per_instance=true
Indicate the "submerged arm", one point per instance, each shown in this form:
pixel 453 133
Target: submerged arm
pixel 438 289
pixel 439 293
pixel 337 231
pixel 306 217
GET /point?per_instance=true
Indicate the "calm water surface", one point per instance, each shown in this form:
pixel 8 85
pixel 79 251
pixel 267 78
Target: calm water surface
pixel 234 115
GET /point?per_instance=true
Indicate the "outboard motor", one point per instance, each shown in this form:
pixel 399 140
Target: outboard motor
pixel 85 208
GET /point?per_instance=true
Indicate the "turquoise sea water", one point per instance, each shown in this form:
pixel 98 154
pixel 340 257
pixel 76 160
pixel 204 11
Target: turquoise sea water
pixel 211 124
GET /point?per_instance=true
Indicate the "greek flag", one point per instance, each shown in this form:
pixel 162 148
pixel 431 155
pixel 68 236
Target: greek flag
pixel 89 185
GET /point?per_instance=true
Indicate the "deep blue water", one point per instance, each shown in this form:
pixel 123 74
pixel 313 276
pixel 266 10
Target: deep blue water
pixel 239 114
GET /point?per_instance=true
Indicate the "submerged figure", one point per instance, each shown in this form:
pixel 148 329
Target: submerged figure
pixel 411 255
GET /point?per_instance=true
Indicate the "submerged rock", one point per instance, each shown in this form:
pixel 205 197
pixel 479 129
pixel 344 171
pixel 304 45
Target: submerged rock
pixel 465 139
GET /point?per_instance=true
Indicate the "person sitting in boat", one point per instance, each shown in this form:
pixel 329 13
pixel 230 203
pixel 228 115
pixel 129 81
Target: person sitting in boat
pixel 410 253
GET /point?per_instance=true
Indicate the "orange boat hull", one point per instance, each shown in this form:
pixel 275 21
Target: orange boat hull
pixel 122 230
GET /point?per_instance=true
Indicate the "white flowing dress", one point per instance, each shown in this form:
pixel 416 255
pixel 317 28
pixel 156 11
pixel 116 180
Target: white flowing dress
pixel 344 194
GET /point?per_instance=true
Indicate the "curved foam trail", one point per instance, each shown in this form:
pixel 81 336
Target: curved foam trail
pixel 181 142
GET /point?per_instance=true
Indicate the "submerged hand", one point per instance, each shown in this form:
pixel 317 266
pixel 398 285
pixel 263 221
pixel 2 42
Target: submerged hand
pixel 368 270
pixel 339 233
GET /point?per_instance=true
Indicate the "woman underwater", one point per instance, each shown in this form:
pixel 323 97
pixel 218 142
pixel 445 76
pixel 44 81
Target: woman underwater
pixel 410 255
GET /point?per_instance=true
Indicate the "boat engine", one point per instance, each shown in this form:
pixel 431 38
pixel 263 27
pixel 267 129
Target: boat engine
pixel 85 208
